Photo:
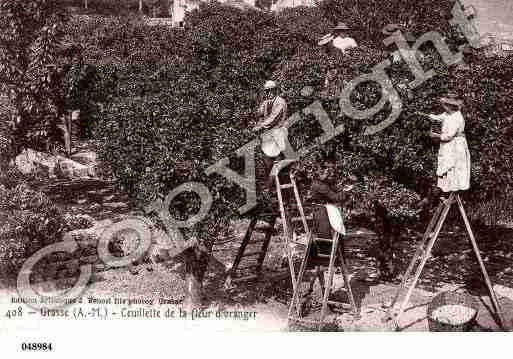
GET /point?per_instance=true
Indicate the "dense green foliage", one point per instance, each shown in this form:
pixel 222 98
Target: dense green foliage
pixel 30 221
pixel 169 103
pixel 177 101
pixel 30 36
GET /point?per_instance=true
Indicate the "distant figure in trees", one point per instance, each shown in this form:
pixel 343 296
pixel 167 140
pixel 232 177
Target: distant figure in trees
pixel 453 170
pixel 342 37
pixel 273 111
pixel 390 30
pixel 339 38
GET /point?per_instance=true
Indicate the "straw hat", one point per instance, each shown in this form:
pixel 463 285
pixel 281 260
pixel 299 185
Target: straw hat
pixel 341 26
pixel 451 99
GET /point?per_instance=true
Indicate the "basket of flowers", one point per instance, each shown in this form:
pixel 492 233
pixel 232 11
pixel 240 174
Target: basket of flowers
pixel 452 312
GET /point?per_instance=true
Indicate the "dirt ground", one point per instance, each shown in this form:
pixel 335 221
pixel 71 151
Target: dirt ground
pixel 270 295
pixel 453 267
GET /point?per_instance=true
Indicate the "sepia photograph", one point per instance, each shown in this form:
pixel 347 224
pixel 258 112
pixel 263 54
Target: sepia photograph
pixel 255 166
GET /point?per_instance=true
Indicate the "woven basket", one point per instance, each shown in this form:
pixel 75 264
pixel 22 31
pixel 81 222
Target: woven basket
pixel 451 298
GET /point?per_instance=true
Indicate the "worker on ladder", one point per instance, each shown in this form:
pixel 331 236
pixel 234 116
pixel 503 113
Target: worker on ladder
pixel 273 111
pixel 453 167
pixel 322 193
pixel 324 247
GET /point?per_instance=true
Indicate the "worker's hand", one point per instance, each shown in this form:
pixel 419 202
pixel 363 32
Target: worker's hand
pixel 348 188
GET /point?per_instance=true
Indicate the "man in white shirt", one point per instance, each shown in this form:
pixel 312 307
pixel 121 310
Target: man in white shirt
pixel 274 112
pixel 273 109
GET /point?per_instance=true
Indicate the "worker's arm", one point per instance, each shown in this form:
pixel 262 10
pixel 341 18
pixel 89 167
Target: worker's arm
pixel 449 129
pixel 437 118
pixel 433 118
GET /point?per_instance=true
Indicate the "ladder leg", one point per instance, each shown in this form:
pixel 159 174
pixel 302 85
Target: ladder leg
pixel 298 202
pixel 297 289
pixel 425 256
pixel 240 253
pixel 286 233
pixel 347 282
pixel 473 242
pixel 416 256
pixel 331 272
pixel 265 245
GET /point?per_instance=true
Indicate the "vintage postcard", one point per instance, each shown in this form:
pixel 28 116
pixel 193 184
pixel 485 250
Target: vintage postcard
pixel 250 166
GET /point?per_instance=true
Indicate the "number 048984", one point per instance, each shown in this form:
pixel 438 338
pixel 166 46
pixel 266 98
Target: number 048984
pixel 36 347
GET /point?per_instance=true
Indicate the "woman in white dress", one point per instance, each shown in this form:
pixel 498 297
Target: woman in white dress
pixel 453 170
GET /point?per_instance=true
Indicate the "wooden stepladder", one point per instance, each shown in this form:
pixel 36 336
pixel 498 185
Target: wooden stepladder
pixel 254 258
pixel 317 260
pixel 291 213
pixel 424 250
pixel 253 250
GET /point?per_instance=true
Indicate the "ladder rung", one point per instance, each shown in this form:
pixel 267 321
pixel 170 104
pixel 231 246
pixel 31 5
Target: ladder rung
pixel 287 185
pixel 299 219
pixel 358 235
pixel 298 242
pixel 339 304
pixel 250 254
pixel 247 266
pixel 324 256
pixel 265 226
pixel 243 279
pixel 258 240
pixel 325 240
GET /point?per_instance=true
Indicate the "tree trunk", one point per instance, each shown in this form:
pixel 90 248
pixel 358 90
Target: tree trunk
pixel 196 262
pixel 387 231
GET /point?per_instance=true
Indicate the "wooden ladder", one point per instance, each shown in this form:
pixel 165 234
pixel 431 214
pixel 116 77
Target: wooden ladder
pixel 251 256
pixel 293 219
pixel 317 260
pixel 291 215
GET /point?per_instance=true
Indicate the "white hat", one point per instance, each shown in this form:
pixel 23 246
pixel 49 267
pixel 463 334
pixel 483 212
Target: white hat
pixel 270 85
